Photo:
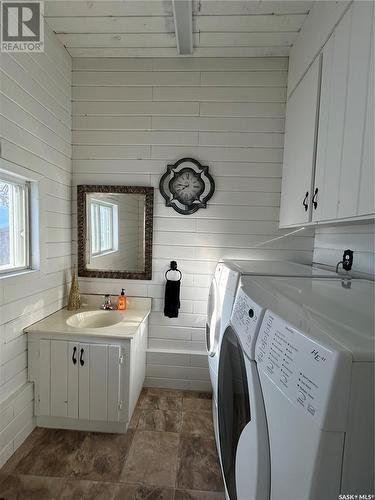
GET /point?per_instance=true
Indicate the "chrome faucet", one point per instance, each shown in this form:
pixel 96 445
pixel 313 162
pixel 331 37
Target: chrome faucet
pixel 107 305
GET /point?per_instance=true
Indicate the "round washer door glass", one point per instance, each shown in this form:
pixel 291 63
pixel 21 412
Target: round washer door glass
pixel 233 405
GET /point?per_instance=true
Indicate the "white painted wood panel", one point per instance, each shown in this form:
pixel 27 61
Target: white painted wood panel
pixel 44 391
pixel 19 75
pixel 98 381
pixel 181 64
pixel 256 110
pixel 331 241
pixel 137 108
pixel 314 33
pixel 366 198
pixel 59 378
pixel 141 30
pixel 247 39
pixel 343 160
pixel 217 124
pixel 128 79
pixel 259 23
pixel 136 40
pixel 111 94
pixel 124 24
pixel 233 94
pixel 245 161
pixel 84 379
pixel 355 113
pixel 223 7
pixel 115 137
pixel 332 120
pixel 108 8
pixel 299 154
pixel 73 395
pixel 113 395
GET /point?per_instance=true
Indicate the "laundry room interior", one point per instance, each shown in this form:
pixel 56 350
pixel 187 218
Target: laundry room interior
pixel 187 250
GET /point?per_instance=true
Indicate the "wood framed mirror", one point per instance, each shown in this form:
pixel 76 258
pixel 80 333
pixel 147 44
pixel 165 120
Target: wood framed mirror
pixel 114 226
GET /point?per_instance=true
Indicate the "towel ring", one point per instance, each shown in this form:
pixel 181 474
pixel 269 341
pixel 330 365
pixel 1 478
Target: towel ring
pixel 173 268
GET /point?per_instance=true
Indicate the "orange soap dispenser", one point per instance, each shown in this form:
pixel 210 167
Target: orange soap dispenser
pixel 121 304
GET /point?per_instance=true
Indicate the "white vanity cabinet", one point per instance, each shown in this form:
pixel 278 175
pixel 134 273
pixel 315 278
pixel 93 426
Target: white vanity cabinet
pixel 79 380
pixel 341 164
pixel 83 381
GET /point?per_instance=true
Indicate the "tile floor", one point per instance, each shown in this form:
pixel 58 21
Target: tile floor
pixel 168 453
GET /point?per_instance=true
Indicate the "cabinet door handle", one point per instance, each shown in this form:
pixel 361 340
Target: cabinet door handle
pixel 304 203
pixel 81 360
pixel 74 357
pixel 314 202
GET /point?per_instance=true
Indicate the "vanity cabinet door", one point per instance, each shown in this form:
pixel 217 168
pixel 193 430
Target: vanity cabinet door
pixel 99 382
pixel 64 378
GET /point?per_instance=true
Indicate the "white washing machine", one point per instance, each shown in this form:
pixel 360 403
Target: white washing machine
pixel 221 298
pixel 314 376
pixel 242 434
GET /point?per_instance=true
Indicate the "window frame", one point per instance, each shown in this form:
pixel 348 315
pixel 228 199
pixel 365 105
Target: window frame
pixel 114 227
pixel 26 185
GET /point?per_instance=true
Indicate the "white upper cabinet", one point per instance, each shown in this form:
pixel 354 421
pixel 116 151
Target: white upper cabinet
pixel 299 149
pixel 366 199
pixel 343 172
pixel 356 106
pixel 331 121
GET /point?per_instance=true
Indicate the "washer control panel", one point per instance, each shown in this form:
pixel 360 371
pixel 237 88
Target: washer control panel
pixel 246 319
pixel 302 369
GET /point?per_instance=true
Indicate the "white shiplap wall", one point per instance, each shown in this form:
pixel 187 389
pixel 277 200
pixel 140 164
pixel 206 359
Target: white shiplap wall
pixel 331 241
pixel 35 109
pixel 131 118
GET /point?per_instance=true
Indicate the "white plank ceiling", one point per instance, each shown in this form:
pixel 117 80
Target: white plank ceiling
pixel 138 28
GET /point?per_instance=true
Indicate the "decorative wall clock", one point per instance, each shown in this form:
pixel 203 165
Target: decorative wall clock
pixel 187 186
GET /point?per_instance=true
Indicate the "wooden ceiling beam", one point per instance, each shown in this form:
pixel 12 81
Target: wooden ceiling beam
pixel 183 22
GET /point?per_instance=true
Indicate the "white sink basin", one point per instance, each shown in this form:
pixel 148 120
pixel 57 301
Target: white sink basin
pixel 94 319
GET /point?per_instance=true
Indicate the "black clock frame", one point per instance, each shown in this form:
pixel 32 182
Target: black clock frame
pixel 205 177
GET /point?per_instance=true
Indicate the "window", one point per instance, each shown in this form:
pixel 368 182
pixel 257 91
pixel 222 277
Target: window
pixel 104 238
pixel 14 223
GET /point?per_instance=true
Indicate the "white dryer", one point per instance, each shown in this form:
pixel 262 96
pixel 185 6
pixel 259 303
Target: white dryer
pixel 315 367
pixel 221 298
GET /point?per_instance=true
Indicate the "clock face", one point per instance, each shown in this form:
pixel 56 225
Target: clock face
pixel 186 186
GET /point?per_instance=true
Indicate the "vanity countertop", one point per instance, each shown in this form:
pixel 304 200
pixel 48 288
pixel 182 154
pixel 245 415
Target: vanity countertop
pixel 56 324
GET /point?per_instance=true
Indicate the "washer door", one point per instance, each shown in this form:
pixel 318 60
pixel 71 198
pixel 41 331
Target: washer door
pixel 243 436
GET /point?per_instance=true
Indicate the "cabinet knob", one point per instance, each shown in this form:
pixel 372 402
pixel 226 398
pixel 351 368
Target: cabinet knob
pixel 304 203
pixel 81 360
pixel 74 357
pixel 314 202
